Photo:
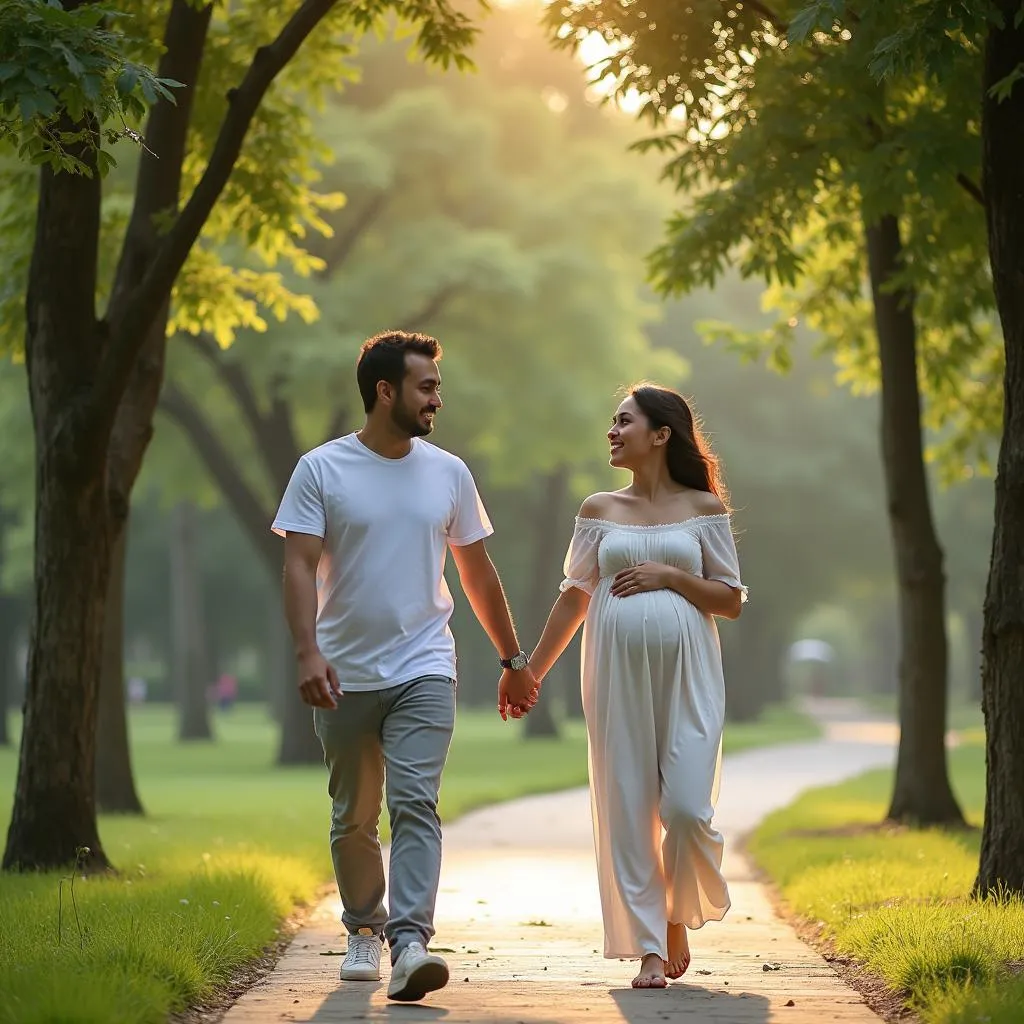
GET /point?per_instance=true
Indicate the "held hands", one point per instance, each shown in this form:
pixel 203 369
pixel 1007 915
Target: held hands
pixel 318 682
pixel 640 578
pixel 517 692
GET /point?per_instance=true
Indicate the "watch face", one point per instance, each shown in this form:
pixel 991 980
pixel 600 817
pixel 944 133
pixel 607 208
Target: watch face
pixel 519 662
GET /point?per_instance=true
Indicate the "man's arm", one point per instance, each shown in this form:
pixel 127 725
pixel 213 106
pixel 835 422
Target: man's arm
pixel 318 683
pixel 487 599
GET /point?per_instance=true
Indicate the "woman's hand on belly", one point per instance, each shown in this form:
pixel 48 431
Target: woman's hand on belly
pixel 638 579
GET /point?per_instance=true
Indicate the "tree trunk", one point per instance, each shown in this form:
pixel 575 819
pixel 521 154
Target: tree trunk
pixel 190 658
pixel 745 667
pixel 79 372
pixel 922 793
pixel 299 744
pixel 548 550
pixel 115 783
pixel 973 628
pixel 54 815
pixel 752 663
pixel 8 631
pixel 884 636
pixel 279 661
pixel 1001 869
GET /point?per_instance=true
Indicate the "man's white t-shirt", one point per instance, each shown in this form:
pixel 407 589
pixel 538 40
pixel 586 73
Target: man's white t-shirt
pixel 383 604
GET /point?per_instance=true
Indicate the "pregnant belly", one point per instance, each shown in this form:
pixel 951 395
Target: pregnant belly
pixel 656 619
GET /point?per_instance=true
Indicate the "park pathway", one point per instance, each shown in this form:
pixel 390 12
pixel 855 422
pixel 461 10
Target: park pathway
pixel 519 921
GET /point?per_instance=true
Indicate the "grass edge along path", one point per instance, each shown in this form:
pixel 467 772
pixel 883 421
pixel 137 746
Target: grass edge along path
pixel 215 877
pixel 893 904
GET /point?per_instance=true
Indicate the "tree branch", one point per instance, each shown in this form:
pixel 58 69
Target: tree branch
pixel 340 247
pixel 971 188
pixel 129 331
pixel 158 182
pixel 337 423
pixel 272 431
pixel 420 320
pixel 253 516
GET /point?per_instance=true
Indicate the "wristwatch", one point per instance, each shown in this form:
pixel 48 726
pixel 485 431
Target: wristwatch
pixel 517 662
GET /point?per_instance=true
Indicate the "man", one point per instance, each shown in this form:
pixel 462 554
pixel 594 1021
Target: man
pixel 367 520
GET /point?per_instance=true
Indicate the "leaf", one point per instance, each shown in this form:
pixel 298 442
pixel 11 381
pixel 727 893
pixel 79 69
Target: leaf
pixel 814 16
pixel 1001 90
pixel 128 79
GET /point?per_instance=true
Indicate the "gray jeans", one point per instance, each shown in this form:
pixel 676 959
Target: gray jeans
pixel 395 741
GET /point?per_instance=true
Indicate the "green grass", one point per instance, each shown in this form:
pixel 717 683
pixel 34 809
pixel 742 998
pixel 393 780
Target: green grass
pixel 777 724
pixel 229 846
pixel 898 900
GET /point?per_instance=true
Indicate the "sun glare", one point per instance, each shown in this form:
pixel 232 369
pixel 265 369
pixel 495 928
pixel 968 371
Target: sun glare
pixel 596 54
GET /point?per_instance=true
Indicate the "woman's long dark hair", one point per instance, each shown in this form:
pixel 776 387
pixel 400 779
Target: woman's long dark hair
pixel 691 462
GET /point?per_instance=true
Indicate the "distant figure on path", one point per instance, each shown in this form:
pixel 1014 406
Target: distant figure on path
pixel 367 520
pixel 648 569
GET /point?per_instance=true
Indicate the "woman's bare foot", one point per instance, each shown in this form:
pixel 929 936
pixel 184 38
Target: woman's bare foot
pixel 678 952
pixel 652 972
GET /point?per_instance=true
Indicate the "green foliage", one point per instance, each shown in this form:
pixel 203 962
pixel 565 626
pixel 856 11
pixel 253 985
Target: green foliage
pixel 780 153
pixel 67 86
pixel 898 900
pixel 476 211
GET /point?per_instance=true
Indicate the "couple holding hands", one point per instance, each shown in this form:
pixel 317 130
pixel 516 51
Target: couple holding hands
pixel 368 520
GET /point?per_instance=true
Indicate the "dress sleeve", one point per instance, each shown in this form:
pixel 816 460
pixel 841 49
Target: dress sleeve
pixel 719 553
pixel 581 568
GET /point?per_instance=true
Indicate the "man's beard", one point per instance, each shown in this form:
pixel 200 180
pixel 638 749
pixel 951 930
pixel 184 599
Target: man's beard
pixel 409 423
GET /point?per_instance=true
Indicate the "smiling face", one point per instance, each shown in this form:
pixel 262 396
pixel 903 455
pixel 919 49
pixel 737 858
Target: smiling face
pixel 631 438
pixel 417 401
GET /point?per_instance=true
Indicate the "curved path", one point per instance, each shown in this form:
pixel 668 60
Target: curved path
pixel 519 922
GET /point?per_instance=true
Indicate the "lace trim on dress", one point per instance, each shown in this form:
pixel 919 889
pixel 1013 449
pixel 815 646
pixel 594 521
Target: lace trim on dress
pixel 568 583
pixel 586 521
pixel 731 581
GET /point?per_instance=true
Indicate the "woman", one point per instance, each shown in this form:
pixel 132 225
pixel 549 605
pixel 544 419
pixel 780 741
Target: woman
pixel 648 568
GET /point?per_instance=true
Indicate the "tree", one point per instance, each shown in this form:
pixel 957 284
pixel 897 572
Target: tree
pixel 468 205
pixel 1002 848
pixel 190 656
pixel 805 480
pixel 933 36
pixel 94 379
pixel 795 166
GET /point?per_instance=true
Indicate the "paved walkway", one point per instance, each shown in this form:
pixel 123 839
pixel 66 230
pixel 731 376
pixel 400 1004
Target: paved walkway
pixel 519 921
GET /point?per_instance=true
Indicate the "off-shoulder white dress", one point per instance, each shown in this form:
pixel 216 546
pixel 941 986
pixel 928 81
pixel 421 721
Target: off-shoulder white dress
pixel 654 699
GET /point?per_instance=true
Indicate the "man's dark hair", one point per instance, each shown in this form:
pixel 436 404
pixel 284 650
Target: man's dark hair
pixel 382 357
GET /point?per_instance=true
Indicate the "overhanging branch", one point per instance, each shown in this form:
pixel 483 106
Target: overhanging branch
pixel 971 188
pixel 272 430
pixel 433 307
pixel 340 247
pixel 129 331
pixel 253 516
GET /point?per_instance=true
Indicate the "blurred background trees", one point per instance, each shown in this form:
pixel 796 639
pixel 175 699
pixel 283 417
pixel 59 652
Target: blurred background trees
pixel 504 212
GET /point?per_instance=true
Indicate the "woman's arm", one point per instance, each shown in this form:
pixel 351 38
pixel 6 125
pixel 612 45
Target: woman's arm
pixel 711 596
pixel 568 611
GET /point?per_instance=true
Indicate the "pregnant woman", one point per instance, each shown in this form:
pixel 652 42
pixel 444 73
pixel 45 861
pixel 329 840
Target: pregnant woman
pixel 648 569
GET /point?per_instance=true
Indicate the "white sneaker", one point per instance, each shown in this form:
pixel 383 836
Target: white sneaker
pixel 415 973
pixel 362 961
